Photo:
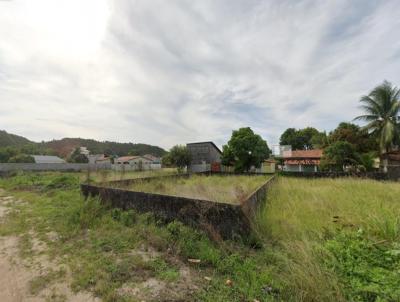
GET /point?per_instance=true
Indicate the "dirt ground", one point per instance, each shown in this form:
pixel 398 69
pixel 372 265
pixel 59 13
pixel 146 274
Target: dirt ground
pixel 17 274
pixel 30 278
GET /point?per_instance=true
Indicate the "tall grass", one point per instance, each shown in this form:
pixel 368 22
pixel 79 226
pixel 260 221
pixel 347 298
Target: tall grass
pixel 333 237
pixel 300 209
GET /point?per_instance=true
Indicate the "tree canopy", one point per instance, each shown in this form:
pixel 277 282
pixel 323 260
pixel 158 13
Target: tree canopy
pixel 244 150
pixel 178 156
pixel 339 155
pixel 77 157
pixel 303 139
pixel 353 134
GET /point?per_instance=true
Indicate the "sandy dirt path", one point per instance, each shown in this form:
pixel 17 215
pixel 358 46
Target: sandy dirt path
pixel 16 273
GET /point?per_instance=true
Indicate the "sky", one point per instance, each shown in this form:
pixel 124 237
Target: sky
pixel 177 71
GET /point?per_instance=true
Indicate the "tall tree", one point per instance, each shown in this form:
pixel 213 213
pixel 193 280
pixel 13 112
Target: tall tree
pixel 382 107
pixel 353 134
pixel 179 156
pixel 339 155
pixel 245 149
pixel 303 139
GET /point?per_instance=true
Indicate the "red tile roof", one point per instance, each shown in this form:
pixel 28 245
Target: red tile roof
pixel 304 154
pixel 126 158
pixel 303 157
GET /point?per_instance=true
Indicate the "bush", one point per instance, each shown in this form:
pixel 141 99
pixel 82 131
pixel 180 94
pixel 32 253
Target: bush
pixel 63 182
pixel 369 271
pixel 21 158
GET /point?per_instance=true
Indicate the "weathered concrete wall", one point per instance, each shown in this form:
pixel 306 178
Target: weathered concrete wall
pixel 135 167
pixel 371 175
pixel 229 221
pixel 5 167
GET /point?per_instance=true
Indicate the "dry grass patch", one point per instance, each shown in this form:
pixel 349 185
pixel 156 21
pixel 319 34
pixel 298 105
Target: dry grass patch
pixel 226 189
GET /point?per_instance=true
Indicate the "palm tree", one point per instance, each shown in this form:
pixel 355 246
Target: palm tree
pixel 382 108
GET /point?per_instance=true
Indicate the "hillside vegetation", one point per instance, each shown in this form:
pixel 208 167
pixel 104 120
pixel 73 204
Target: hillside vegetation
pixel 63 147
pixel 12 140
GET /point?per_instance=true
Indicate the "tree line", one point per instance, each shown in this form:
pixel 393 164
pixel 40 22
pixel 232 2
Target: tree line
pixel 348 146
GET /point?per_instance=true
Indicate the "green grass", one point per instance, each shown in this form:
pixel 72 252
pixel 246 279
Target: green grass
pixel 322 240
pixel 339 238
pixel 110 175
pixel 227 189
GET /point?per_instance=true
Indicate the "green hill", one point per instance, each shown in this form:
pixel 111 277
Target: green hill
pixel 12 140
pixel 65 146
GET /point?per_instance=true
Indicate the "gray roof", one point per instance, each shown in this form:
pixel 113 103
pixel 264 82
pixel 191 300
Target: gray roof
pixel 47 159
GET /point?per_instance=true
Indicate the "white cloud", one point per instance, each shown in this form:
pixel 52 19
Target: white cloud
pixel 167 72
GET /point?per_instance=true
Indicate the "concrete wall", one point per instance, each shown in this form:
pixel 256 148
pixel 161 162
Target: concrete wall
pixel 371 175
pixel 135 167
pixel 5 167
pixel 219 220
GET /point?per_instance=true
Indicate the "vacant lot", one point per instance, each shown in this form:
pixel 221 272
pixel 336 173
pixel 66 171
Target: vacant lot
pixel 227 189
pixel 320 240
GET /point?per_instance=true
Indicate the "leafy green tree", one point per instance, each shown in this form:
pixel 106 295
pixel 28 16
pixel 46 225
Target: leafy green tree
pixel 6 153
pixel 353 134
pixel 77 157
pixel 166 160
pixel 180 157
pixel 303 139
pixel 245 149
pixel 21 158
pixel 319 140
pixel 339 155
pixel 228 157
pixel 382 106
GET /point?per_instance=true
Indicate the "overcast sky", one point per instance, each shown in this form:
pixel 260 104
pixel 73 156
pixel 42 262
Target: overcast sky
pixel 168 72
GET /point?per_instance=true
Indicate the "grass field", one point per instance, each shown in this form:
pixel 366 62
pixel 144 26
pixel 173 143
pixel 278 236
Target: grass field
pixel 321 240
pixel 227 189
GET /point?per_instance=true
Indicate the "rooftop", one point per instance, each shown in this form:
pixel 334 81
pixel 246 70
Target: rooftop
pixel 48 159
pixel 316 153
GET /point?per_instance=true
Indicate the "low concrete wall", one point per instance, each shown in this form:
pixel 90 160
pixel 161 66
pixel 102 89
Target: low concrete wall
pixel 6 167
pixel 371 175
pixel 128 167
pixel 228 221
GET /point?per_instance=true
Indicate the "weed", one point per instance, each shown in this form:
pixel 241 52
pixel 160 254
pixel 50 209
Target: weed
pixel 39 283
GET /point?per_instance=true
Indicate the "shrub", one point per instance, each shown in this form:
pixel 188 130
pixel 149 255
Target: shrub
pixel 63 182
pixel 369 271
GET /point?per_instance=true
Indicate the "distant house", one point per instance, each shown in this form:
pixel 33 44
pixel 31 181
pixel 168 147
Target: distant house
pixel 136 162
pixel 206 156
pixel 98 159
pixel 154 159
pixel 302 160
pixel 84 151
pixel 268 166
pixel 392 161
pixel 48 159
pixel 133 160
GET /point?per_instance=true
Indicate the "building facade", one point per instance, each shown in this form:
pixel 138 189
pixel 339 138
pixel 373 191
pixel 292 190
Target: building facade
pixel 206 156
pixel 302 160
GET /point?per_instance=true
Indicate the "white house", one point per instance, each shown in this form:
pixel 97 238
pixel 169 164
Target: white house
pixel 133 163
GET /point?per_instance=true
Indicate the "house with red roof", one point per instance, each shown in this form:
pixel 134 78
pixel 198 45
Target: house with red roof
pixel 302 160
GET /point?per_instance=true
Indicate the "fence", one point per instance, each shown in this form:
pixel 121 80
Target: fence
pixel 7 167
pixel 135 167
pixel 372 175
